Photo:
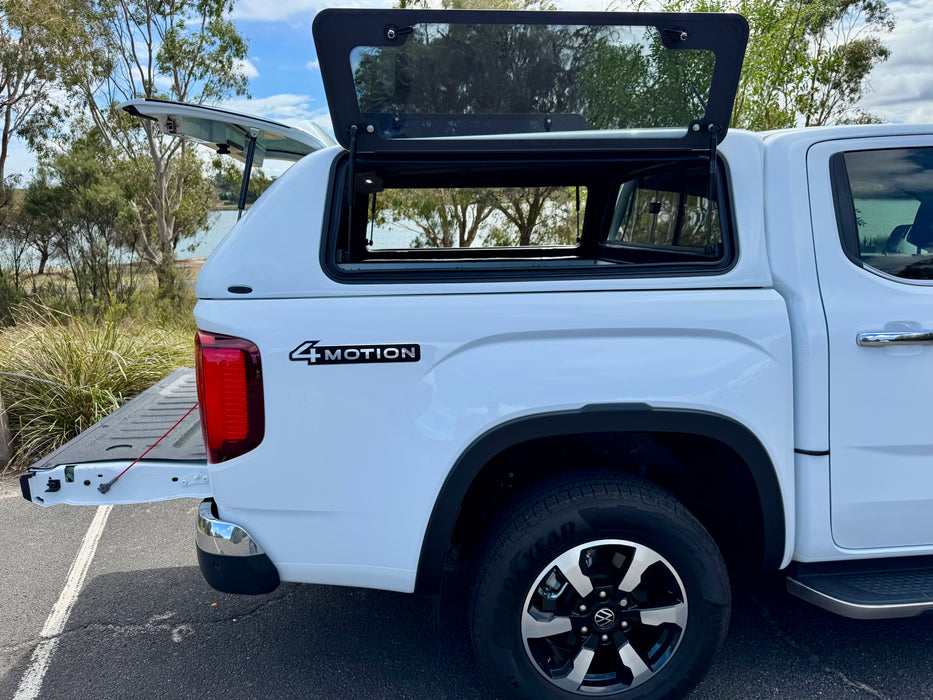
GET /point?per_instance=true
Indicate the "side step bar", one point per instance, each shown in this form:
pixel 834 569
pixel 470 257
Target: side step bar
pixel 867 590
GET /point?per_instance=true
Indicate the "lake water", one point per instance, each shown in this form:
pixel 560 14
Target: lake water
pixel 219 224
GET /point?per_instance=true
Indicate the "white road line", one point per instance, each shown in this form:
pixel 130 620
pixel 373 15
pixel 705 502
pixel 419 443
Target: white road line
pixel 31 684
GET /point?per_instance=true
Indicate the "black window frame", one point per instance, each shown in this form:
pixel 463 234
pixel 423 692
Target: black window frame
pixel 844 206
pixel 463 265
pixel 338 31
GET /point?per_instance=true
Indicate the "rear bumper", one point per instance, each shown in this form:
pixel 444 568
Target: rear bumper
pixel 229 558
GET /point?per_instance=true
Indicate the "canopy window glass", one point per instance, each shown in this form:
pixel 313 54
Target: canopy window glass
pixel 534 217
pixel 467 79
pixel 435 80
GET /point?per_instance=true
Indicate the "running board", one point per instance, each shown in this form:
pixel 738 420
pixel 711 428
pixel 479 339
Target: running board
pixel 867 590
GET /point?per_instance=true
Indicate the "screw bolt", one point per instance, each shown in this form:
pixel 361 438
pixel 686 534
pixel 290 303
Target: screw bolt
pixel 603 595
pixel 623 602
pixel 696 127
pixel 582 608
pixel 624 624
pixel 605 637
pixel 584 630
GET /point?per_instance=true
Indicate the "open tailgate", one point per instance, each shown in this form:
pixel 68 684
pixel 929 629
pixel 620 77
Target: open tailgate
pixel 82 471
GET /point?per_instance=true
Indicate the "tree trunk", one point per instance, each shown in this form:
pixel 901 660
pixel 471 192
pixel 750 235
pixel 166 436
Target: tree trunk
pixel 167 275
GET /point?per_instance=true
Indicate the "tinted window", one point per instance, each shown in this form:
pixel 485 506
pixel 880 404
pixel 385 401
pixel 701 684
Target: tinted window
pixel 505 78
pixel 892 203
pixel 669 209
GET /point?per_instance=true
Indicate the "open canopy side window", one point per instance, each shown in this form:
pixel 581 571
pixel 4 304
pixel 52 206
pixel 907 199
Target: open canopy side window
pixel 436 80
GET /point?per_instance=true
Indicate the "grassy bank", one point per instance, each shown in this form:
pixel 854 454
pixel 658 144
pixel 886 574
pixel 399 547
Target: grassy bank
pixel 89 364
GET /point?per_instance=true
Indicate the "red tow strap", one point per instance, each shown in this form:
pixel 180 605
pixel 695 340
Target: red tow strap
pixel 104 488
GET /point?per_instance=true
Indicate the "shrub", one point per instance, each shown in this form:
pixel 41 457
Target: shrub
pixel 91 368
pixel 10 297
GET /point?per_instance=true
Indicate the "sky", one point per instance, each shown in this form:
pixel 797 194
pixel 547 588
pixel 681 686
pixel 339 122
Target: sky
pixel 285 80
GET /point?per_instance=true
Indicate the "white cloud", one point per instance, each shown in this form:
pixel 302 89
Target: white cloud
pixel 282 107
pixel 245 67
pixel 163 82
pixel 313 65
pixel 902 87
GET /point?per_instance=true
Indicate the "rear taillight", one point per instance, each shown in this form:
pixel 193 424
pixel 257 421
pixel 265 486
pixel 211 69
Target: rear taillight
pixel 229 395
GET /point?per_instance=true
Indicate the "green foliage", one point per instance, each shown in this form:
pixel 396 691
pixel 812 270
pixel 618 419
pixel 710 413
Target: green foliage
pixel 228 176
pixel 184 50
pixel 90 369
pixel 77 209
pixel 439 218
pixel 10 297
pixel 37 40
pixel 483 216
pixel 538 216
pixel 808 61
pixel 601 77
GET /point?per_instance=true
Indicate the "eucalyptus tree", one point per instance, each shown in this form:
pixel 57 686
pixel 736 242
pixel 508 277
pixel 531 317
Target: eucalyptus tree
pixel 183 50
pixel 808 61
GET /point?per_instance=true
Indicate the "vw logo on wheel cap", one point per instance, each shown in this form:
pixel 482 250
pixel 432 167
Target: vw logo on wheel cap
pixel 604 618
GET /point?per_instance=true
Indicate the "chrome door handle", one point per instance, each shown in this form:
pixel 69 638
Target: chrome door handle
pixel 884 338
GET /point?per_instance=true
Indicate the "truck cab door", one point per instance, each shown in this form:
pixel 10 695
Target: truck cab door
pixel 872 214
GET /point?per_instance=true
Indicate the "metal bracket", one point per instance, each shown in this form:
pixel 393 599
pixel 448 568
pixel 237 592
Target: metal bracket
pixel 194 478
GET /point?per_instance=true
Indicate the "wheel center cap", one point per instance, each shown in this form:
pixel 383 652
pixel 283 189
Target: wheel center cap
pixel 604 618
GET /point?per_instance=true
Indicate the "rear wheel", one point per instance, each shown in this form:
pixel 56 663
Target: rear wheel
pixel 598 583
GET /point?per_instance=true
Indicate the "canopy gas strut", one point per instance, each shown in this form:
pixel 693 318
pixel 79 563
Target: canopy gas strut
pixel 351 185
pixel 247 170
pixel 711 190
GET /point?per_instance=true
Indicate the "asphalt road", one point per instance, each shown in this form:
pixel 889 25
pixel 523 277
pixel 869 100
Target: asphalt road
pixel 145 625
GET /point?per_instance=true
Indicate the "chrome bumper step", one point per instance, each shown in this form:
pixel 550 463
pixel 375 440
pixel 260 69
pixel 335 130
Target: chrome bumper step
pixel 867 590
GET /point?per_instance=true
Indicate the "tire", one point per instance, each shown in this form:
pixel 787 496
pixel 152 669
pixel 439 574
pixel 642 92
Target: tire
pixel 653 585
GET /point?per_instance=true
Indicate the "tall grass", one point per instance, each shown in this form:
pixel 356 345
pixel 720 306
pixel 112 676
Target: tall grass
pixel 89 368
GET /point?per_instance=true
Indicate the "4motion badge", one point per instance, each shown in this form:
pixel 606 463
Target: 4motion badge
pixel 314 354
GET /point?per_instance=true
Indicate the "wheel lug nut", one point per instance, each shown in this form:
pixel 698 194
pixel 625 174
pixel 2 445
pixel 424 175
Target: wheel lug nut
pixel 584 630
pixel 582 608
pixel 603 595
pixel 623 602
pixel 624 624
pixel 605 637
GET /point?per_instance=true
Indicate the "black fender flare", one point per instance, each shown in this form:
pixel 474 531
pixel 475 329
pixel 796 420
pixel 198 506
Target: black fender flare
pixel 600 418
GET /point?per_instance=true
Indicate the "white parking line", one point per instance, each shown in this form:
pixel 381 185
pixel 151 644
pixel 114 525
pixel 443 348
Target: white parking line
pixel 31 683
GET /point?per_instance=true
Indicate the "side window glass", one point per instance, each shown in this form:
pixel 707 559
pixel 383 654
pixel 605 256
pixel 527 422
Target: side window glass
pixel 892 197
pixel 667 210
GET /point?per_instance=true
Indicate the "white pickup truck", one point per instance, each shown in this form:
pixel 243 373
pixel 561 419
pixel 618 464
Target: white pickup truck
pixel 538 316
